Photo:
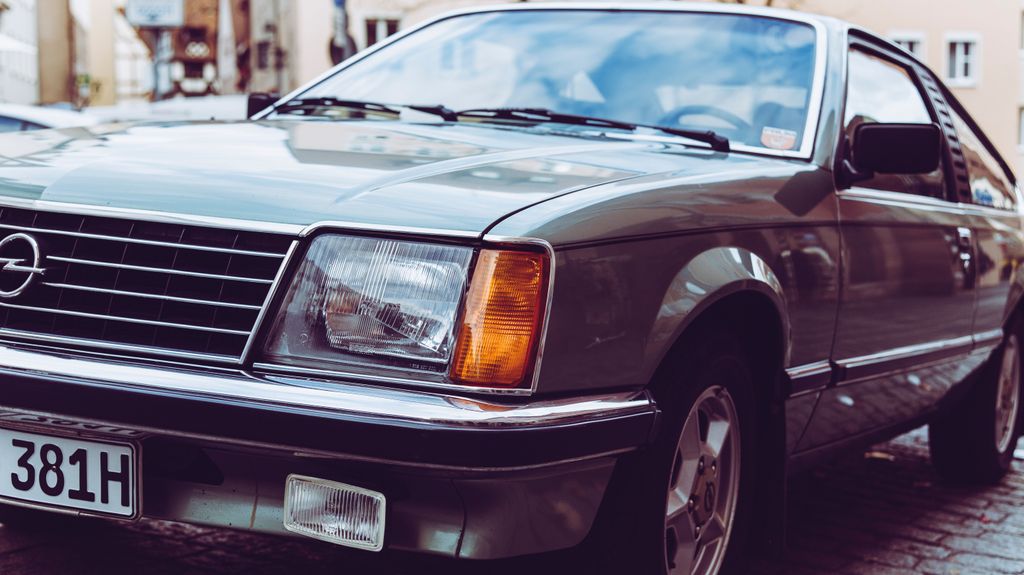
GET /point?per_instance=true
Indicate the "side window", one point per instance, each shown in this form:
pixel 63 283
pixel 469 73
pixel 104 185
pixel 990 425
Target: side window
pixel 989 184
pixel 881 91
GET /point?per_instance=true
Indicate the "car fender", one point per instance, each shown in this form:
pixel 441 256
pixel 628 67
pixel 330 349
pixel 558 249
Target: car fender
pixel 706 279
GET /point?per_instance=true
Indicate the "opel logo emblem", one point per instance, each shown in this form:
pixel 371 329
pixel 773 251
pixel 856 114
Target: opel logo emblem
pixel 20 258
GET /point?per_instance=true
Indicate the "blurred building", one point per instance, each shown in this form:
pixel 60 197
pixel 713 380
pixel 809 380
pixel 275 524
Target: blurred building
pixel 19 52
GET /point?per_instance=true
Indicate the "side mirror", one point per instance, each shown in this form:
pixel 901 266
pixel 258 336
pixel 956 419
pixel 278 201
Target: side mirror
pixel 896 148
pixel 258 102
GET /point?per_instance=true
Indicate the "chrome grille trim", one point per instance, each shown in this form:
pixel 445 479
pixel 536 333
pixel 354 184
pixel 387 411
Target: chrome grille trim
pixel 152 296
pixel 139 241
pixel 125 319
pixel 278 285
pixel 158 270
pixel 59 343
pixel 150 287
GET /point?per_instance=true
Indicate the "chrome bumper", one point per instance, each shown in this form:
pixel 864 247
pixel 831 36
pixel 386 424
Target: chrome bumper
pixel 236 407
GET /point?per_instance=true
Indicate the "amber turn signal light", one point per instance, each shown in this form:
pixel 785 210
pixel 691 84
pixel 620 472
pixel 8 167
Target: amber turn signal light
pixel 501 325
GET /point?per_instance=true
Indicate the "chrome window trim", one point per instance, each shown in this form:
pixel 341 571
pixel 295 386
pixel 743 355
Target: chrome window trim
pixel 907 200
pixel 815 100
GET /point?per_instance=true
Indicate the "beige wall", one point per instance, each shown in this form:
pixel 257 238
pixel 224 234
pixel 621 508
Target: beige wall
pixel 310 45
pixel 101 53
pixel 56 52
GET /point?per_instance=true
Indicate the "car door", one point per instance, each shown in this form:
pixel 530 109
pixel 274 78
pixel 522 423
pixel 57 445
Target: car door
pixel 908 280
pixel 988 192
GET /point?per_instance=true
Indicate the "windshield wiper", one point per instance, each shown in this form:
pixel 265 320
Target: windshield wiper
pixel 717 142
pixel 373 107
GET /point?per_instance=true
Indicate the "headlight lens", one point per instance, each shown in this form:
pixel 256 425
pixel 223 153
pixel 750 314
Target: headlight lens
pixel 355 300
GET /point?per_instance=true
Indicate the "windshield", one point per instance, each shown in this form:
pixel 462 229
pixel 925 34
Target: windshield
pixel 745 77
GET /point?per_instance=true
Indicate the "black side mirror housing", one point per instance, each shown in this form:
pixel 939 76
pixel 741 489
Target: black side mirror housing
pixel 258 102
pixel 896 148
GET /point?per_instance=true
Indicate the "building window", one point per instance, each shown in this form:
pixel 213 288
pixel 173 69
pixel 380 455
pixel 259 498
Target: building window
pixel 962 61
pixel 378 29
pixel 1020 127
pixel 912 42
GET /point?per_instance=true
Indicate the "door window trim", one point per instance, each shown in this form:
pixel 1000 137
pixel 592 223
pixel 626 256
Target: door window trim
pixel 876 47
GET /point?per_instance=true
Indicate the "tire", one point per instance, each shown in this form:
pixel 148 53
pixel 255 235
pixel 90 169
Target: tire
pixel 707 390
pixel 973 443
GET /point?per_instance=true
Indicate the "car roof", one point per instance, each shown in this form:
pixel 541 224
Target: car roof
pixel 47 117
pixel 628 6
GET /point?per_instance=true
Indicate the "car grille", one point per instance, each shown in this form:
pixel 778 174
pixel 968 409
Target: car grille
pixel 143 287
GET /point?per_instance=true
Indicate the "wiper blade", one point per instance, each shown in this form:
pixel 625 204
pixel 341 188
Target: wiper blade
pixel 717 142
pixel 375 107
pixel 542 115
pixel 308 103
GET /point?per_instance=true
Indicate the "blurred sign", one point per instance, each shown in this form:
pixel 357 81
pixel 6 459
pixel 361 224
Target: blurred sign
pixel 156 13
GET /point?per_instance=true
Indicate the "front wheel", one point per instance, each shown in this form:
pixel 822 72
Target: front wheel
pixel 703 489
pixel 681 506
pixel 974 442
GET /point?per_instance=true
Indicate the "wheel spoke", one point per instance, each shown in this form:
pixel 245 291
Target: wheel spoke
pixel 689 452
pixel 718 434
pixel 678 502
pixel 682 534
pixel 714 530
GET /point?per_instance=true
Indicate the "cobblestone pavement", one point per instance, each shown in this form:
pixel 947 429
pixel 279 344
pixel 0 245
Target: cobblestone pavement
pixel 878 513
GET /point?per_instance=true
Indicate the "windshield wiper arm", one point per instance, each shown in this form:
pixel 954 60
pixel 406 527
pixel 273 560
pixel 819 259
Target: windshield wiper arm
pixel 390 109
pixel 307 103
pixel 717 142
pixel 543 115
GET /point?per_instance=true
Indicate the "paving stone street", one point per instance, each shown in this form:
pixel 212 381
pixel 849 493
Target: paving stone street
pixel 878 513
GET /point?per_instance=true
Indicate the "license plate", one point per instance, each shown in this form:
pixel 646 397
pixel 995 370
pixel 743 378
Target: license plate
pixel 85 475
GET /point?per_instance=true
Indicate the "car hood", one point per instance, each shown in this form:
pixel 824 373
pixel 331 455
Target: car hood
pixel 462 178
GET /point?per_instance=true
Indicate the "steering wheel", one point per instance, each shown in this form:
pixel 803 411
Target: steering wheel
pixel 737 123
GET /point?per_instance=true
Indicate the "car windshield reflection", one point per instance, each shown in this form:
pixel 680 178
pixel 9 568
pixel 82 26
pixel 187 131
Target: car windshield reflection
pixel 745 77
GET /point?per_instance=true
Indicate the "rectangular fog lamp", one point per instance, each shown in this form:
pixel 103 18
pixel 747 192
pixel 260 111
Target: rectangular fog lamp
pixel 335 512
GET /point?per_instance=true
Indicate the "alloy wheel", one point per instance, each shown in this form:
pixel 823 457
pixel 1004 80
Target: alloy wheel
pixel 704 486
pixel 1008 394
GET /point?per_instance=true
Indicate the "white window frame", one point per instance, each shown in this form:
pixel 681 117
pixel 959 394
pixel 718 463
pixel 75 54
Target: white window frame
pixel 896 36
pixel 977 59
pixel 1020 128
pixel 380 17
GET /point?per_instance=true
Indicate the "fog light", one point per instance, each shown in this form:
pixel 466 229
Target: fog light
pixel 335 512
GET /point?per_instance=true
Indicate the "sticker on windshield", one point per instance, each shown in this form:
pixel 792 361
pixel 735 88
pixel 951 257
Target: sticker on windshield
pixel 777 138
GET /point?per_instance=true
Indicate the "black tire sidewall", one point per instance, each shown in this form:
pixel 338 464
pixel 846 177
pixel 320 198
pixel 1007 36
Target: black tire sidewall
pixel 632 522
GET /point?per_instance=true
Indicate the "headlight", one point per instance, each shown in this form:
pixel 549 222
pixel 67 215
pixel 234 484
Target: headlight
pixel 365 299
pixel 381 302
